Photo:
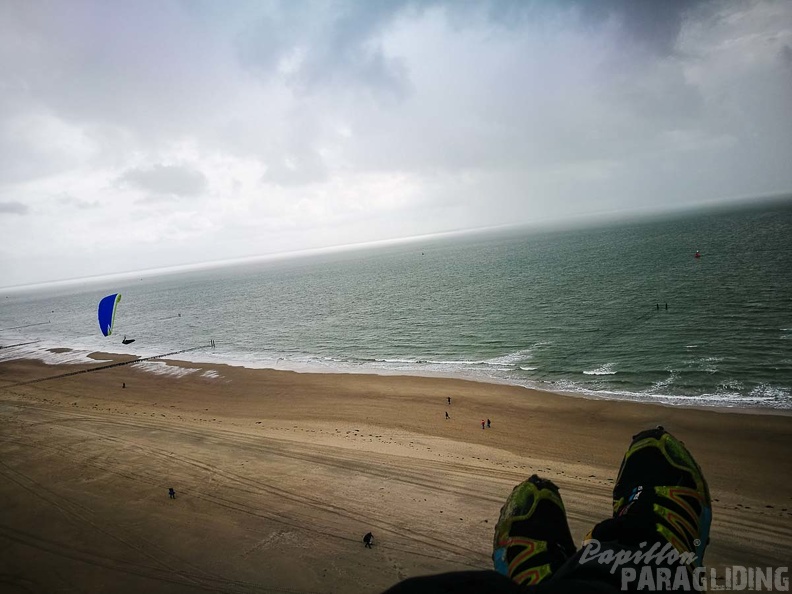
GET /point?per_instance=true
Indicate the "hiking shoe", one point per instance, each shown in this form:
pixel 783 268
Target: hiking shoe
pixel 661 489
pixel 532 538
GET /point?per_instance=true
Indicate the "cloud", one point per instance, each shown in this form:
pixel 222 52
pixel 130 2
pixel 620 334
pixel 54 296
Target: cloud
pixel 311 46
pixel 13 208
pixel 285 125
pixel 786 56
pixel 653 26
pixel 36 144
pixel 641 26
pixel 296 170
pixel 164 180
pixel 77 203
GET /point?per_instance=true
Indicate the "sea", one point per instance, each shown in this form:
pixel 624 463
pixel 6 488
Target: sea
pixel 619 311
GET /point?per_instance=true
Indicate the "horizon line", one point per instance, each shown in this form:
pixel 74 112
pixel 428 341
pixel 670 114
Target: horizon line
pixel 591 218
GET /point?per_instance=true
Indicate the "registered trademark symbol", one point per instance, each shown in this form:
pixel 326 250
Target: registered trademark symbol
pixel 697 542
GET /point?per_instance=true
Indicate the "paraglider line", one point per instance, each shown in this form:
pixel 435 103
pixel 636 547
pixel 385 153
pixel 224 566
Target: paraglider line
pixel 8 346
pixel 25 326
pixel 169 318
pixel 108 366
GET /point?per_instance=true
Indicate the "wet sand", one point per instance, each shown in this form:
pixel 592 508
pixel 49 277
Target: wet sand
pixel 278 475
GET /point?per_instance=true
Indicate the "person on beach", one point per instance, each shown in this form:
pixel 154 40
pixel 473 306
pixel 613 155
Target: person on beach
pixel 449 400
pixel 654 541
pixel 488 423
pixel 171 493
pixel 367 540
pixel 447 417
pixel 482 423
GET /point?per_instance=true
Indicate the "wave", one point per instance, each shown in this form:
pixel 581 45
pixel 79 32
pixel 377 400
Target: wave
pixel 162 368
pixel 504 361
pixel 510 359
pixel 49 354
pixel 706 364
pixel 728 393
pixel 606 369
pixel 769 392
pixel 768 397
pixel 664 383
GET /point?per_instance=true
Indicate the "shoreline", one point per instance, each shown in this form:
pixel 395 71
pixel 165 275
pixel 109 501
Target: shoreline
pixel 671 401
pixel 749 410
pixel 100 356
pixel 278 474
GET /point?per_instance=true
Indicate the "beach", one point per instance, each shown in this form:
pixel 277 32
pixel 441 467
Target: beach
pixel 278 475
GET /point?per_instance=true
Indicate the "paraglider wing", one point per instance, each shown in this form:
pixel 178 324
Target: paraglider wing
pixel 107 308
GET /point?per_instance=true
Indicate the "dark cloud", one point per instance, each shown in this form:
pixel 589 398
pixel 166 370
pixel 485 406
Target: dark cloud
pixel 651 24
pixel 648 23
pixel 166 180
pixel 786 56
pixel 314 45
pixel 13 207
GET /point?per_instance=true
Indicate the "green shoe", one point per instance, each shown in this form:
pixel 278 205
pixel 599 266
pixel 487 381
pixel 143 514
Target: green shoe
pixel 661 489
pixel 532 538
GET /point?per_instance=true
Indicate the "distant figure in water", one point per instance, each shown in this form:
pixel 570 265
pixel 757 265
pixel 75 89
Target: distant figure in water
pixel 698 254
pixel 482 423
pixel 367 540
pixel 171 493
pixel 488 423
pixel 666 305
pixel 447 417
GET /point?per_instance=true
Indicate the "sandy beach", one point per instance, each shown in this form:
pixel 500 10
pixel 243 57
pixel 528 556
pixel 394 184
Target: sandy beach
pixel 278 475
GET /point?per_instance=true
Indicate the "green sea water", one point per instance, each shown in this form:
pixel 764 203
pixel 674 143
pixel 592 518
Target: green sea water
pixel 623 311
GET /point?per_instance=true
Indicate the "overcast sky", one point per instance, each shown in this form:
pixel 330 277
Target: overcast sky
pixel 142 134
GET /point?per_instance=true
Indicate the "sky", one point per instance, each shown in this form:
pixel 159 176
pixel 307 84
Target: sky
pixel 145 134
